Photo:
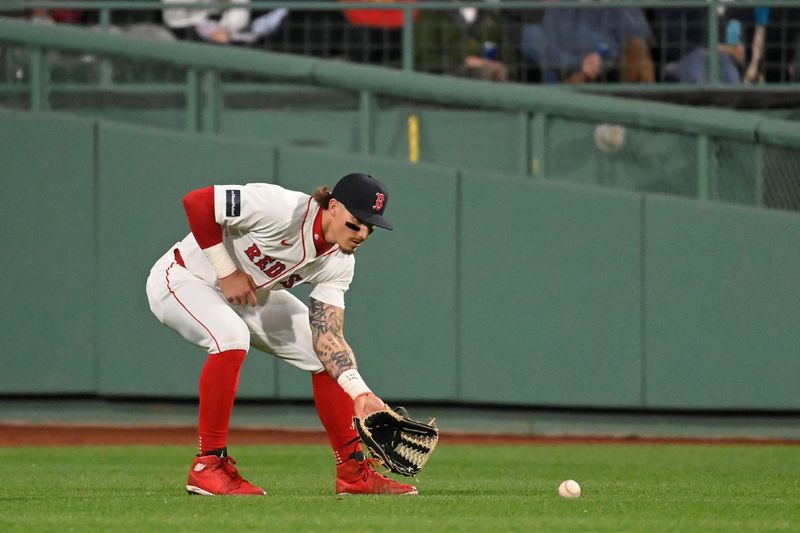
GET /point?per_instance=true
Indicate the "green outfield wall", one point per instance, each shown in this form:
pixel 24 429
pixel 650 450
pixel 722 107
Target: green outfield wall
pixel 492 289
pixel 50 258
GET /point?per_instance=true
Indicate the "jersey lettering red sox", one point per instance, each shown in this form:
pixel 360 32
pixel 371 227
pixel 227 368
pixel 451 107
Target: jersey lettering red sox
pixel 270 233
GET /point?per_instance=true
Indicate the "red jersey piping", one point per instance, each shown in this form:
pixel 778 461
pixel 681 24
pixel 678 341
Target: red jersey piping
pixel 303 239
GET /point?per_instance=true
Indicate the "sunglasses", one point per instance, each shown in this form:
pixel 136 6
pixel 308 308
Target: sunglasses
pixel 357 227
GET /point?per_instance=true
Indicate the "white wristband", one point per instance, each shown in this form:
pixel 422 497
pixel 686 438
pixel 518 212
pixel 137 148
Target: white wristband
pixel 351 382
pixel 218 257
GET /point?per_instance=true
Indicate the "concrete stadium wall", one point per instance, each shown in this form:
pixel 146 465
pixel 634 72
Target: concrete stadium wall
pixel 492 289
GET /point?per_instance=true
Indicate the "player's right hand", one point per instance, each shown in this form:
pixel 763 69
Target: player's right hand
pixel 366 404
pixel 239 288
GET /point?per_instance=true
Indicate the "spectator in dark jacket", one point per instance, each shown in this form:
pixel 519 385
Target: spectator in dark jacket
pixel 462 42
pixel 684 35
pixel 586 45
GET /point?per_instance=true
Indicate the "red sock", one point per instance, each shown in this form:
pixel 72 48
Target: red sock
pixel 335 410
pixel 218 383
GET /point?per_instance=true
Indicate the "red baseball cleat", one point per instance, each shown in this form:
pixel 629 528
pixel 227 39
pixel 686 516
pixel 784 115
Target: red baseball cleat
pixel 214 476
pixel 359 477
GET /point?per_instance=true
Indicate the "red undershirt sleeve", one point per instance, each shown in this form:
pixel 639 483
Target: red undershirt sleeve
pixel 199 206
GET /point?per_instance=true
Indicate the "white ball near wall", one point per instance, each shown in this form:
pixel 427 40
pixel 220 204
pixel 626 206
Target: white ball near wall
pixel 609 138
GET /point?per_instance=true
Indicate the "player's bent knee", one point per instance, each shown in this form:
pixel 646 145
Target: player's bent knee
pixel 235 336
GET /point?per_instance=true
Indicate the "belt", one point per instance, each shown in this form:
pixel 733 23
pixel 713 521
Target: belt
pixel 178 258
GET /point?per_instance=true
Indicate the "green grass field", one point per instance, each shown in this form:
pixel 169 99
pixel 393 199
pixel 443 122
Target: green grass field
pixel 464 488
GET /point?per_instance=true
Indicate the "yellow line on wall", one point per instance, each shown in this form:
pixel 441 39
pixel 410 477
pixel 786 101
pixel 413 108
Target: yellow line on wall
pixel 413 138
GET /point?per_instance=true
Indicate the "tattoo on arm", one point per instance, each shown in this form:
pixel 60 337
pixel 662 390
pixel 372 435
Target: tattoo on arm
pixel 327 335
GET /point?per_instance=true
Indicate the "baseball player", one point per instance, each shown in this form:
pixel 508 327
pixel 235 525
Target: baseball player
pixel 223 287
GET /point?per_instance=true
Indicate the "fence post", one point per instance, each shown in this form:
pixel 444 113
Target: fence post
pixel 713 41
pixel 759 178
pixel 366 112
pixel 105 63
pixel 703 166
pixel 408 38
pixel 39 78
pixel 212 102
pixel 193 100
pixel 539 145
pixel 524 144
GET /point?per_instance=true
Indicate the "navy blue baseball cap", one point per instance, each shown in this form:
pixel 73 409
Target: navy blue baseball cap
pixel 365 197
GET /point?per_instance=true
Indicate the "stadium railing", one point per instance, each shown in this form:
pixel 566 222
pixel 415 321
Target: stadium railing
pixel 738 157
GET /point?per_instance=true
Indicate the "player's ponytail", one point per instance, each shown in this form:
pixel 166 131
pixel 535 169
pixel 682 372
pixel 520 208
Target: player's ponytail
pixel 322 195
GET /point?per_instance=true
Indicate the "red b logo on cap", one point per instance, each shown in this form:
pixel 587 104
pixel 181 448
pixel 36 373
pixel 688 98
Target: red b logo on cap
pixel 379 201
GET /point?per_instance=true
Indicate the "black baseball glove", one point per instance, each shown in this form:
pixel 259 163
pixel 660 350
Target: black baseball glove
pixel 403 445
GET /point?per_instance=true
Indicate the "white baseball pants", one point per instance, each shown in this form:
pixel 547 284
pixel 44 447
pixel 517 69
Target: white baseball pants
pixel 278 324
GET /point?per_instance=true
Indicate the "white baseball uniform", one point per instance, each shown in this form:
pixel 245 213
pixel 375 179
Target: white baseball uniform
pixel 270 233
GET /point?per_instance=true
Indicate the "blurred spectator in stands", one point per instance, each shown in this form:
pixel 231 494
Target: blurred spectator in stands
pixel 781 41
pixel 577 45
pixel 688 28
pixel 755 71
pixel 17 60
pixel 462 42
pixel 794 66
pixel 59 16
pixel 376 35
pixel 228 26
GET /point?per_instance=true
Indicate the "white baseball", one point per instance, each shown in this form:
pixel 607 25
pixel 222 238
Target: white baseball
pixel 569 489
pixel 609 138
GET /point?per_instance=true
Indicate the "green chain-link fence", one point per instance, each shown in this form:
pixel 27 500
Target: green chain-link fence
pixel 599 142
pixel 436 36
